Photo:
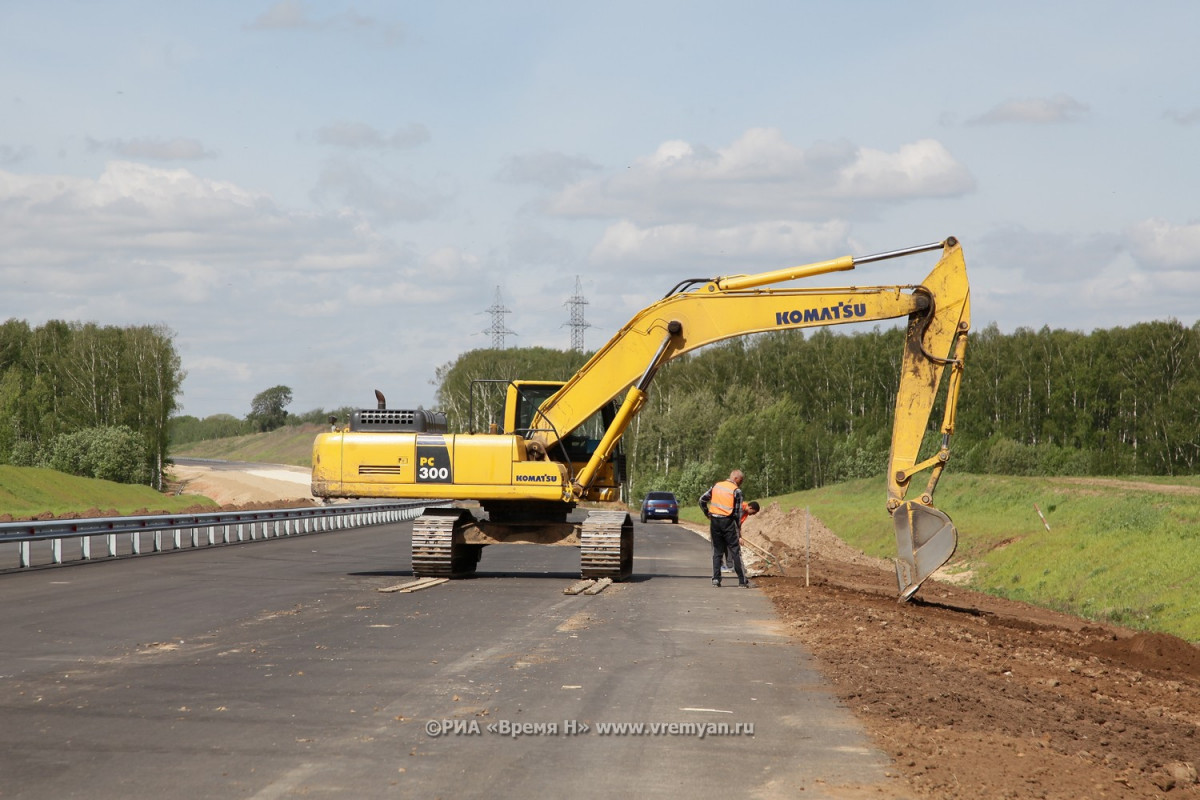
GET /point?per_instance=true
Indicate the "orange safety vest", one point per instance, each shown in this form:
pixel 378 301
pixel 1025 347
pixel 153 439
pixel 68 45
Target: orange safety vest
pixel 721 504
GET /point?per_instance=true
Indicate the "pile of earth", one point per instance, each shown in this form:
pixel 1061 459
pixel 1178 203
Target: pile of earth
pixel 975 696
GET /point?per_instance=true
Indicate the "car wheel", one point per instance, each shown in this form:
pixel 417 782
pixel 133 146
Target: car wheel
pixel 643 519
pixel 674 520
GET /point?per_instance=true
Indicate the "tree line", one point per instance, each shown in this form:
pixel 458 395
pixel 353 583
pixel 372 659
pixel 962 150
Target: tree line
pixel 268 411
pixel 793 410
pixel 100 401
pixel 88 399
pixel 799 411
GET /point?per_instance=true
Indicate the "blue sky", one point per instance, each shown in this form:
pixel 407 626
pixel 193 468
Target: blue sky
pixel 327 195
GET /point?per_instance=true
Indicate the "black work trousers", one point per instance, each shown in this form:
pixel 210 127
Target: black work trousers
pixel 724 534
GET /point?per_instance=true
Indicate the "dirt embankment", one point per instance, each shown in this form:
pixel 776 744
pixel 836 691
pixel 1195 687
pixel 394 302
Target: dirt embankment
pixel 255 484
pixel 254 487
pixel 974 696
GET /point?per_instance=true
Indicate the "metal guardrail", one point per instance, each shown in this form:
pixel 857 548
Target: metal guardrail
pixel 207 529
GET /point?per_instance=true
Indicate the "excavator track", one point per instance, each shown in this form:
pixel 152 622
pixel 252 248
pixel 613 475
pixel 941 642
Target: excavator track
pixel 438 550
pixel 606 545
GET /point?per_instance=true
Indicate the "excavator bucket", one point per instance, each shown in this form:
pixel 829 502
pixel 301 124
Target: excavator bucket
pixel 925 539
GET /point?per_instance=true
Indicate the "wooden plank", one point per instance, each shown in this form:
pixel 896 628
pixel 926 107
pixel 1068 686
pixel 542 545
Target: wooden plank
pixel 599 586
pixel 420 583
pixel 428 582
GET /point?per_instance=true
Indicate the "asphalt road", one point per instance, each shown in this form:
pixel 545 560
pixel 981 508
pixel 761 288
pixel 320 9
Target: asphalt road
pixel 277 669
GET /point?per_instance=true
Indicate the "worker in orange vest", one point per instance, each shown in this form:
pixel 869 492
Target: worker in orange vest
pixel 722 504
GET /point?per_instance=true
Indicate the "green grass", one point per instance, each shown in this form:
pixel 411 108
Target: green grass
pixel 291 445
pixel 1113 553
pixel 26 492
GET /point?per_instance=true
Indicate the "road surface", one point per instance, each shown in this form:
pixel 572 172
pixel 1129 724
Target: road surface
pixel 278 669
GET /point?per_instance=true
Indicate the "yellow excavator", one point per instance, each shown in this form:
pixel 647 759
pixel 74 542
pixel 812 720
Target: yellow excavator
pixel 559 443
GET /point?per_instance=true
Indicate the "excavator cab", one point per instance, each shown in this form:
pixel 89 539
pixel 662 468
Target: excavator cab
pixel 523 399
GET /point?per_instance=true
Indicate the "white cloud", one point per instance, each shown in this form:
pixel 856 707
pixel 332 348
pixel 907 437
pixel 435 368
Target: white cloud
pixel 132 213
pixel 284 15
pixel 442 276
pixel 450 263
pixel 359 135
pixel 761 175
pixel 1021 277
pixel 1159 245
pixel 547 169
pixel 534 246
pixel 10 155
pixel 779 242
pixel 1040 110
pixel 293 15
pixel 212 368
pixel 177 149
pixel 1189 117
pixel 376 195
pixel 1041 257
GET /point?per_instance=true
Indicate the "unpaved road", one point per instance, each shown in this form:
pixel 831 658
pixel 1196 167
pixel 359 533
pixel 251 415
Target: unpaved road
pixel 971 696
pixel 236 483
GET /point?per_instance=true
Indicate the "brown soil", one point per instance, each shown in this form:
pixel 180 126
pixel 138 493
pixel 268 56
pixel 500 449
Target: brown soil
pixel 974 696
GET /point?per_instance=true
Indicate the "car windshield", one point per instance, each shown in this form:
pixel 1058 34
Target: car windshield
pixel 661 496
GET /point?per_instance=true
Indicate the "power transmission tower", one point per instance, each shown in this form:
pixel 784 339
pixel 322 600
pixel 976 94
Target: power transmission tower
pixel 577 324
pixel 497 329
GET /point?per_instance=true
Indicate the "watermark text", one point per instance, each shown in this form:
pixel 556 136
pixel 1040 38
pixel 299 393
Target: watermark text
pixel 438 728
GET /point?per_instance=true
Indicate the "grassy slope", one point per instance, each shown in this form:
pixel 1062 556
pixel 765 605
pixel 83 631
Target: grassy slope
pixel 29 491
pixel 1127 552
pixel 288 445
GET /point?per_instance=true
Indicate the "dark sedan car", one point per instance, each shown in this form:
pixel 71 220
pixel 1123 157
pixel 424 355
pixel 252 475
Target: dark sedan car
pixel 660 505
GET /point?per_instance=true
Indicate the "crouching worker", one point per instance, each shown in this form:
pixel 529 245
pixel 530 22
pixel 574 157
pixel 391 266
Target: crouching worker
pixel 748 510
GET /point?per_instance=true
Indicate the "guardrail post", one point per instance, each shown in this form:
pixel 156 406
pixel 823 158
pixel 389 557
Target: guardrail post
pixel 23 551
pixel 176 534
pixel 85 548
pixel 158 541
pixel 135 542
pixel 56 550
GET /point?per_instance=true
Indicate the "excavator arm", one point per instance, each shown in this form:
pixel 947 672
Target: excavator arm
pixel 938 311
